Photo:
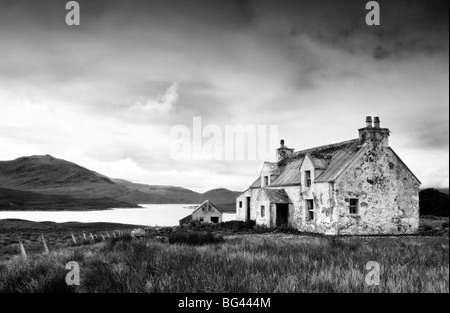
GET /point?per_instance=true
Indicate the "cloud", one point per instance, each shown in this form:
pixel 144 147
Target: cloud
pixel 110 88
pixel 162 104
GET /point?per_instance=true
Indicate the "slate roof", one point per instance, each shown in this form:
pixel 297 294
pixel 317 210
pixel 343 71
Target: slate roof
pixel 256 183
pixel 207 204
pixel 290 174
pixel 339 161
pixel 277 195
pixel 332 159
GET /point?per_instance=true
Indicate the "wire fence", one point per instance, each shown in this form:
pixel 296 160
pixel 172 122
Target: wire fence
pixel 83 238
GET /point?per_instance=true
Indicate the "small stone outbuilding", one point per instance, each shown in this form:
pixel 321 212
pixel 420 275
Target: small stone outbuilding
pixel 204 213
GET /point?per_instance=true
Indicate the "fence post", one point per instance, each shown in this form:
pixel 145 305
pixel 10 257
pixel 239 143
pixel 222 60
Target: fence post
pixel 92 236
pixel 74 240
pixel 84 236
pixel 45 245
pixel 22 250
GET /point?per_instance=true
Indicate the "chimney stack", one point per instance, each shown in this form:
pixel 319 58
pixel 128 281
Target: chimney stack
pixel 283 151
pixel 376 122
pixel 374 134
pixel 368 121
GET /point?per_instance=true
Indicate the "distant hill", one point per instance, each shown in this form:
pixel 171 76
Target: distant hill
pixel 12 200
pixel 45 172
pixel 48 175
pixel 47 182
pixel 223 198
pixel 433 202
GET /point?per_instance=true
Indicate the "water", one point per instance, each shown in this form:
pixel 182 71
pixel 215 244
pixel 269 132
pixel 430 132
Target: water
pixel 149 215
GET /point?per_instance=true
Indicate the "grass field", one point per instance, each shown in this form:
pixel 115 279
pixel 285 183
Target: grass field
pixel 57 235
pixel 270 262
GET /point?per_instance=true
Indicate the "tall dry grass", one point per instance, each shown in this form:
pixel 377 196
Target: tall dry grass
pixel 256 263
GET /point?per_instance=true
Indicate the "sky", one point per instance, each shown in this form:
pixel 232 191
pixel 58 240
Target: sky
pixel 107 93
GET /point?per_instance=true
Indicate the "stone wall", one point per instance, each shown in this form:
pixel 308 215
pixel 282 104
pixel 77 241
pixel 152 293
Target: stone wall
pixel 206 213
pixel 268 210
pixel 241 212
pixel 387 192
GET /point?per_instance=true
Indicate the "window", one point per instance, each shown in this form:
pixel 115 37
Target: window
pixel 354 206
pixel 240 204
pixel 214 219
pixel 266 181
pixel 201 219
pixel 263 211
pixel 308 178
pixel 310 209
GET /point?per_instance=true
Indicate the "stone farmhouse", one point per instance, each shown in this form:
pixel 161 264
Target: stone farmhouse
pixel 204 213
pixel 355 187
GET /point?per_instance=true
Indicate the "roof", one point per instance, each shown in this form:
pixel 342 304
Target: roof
pixel 324 152
pixel 332 159
pixel 277 195
pixel 186 219
pixel 339 161
pixel 256 183
pixel 207 204
pixel 274 168
pixel 290 174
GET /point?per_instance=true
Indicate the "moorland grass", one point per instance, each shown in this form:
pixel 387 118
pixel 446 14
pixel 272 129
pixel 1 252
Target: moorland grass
pixel 243 263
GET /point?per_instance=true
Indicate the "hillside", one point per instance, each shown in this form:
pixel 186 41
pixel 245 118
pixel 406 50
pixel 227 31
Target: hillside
pixel 45 182
pixel 11 200
pixel 433 202
pixel 49 175
pixel 46 171
pixel 223 198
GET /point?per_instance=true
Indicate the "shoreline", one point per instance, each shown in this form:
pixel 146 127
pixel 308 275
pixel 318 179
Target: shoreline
pixel 138 206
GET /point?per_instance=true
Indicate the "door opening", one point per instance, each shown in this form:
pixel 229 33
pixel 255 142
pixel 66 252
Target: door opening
pixel 282 214
pixel 248 209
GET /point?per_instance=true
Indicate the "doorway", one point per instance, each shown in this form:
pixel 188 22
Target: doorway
pixel 282 214
pixel 247 206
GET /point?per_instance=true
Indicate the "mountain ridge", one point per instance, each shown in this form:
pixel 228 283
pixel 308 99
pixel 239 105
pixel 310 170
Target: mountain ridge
pixel 45 176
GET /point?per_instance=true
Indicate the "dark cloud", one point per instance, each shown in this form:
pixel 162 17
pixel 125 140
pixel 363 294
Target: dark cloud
pixel 314 68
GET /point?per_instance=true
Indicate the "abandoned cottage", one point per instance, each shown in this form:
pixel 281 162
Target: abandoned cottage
pixel 359 186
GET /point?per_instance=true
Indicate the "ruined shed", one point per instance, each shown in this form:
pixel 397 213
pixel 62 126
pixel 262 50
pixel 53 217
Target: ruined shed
pixel 204 213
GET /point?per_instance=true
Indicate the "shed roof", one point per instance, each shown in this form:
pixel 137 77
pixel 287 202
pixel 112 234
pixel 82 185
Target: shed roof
pixel 207 204
pixel 277 195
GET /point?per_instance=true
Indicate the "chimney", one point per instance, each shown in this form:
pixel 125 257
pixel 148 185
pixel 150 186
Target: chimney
pixel 283 151
pixel 368 121
pixel 374 134
pixel 376 122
